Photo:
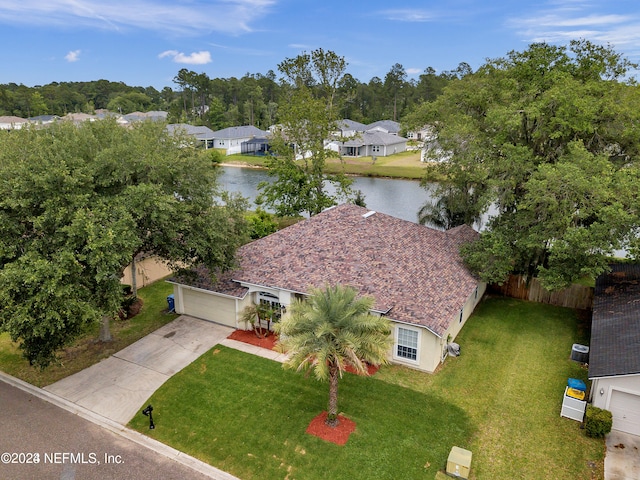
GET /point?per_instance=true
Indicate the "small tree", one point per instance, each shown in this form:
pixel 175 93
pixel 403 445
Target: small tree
pixel 256 314
pixel 333 330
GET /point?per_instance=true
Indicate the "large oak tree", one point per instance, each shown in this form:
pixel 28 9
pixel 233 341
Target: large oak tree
pixel 78 203
pixel 550 138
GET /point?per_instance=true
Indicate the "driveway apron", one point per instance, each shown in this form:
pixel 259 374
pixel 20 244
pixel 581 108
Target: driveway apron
pixel 117 386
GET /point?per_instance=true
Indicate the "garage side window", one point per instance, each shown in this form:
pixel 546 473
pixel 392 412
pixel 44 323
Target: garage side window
pixel 407 344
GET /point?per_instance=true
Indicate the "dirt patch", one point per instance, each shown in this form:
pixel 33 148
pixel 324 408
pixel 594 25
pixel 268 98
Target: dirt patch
pixel 338 434
pixel 249 336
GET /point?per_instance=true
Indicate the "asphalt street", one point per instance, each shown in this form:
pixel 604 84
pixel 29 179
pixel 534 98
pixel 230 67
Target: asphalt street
pixel 40 440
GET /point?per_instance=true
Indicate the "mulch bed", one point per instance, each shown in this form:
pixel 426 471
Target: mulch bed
pixel 249 336
pixel 338 434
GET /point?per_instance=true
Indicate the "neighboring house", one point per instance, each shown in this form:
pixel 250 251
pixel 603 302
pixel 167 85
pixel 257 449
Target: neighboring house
pixel 232 138
pixel 413 272
pixel 386 126
pixel 154 115
pixel 12 122
pixel 370 143
pixel 348 128
pixel 44 119
pixel 614 351
pixel 201 133
pixel 80 117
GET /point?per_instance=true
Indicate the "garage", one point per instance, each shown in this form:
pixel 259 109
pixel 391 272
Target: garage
pixel 625 409
pixel 205 305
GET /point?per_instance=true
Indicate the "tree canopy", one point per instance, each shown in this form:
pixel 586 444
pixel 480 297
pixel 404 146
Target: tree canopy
pixel 307 120
pixel 77 203
pixel 549 137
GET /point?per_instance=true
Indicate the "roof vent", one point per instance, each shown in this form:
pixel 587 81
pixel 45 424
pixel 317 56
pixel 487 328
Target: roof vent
pixel 368 214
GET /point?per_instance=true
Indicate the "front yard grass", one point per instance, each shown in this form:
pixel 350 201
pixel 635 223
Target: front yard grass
pixel 501 399
pixel 86 350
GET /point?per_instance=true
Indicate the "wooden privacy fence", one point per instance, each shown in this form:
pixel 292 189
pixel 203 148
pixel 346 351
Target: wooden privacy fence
pixel 576 296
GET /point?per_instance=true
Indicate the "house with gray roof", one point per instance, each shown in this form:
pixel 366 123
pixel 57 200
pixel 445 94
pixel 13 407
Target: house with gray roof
pixel 614 349
pixel 386 126
pixel 201 133
pixel 414 274
pixel 372 143
pixel 232 138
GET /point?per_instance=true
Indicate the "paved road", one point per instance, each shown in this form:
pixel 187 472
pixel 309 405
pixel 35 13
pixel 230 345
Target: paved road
pixel 70 447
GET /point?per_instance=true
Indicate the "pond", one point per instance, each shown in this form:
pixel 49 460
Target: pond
pixel 397 197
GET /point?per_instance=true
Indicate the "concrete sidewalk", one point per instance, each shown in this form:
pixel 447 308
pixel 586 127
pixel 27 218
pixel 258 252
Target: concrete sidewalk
pixel 116 387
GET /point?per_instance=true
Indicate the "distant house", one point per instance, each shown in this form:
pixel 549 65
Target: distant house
pixel 370 143
pixel 12 122
pixel 614 351
pixel 232 138
pixel 385 126
pixel 201 133
pixel 79 117
pixel 154 115
pixel 414 273
pixel 44 119
pixel 348 128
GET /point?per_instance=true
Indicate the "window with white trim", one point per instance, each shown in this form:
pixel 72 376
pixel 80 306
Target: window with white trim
pixel 406 343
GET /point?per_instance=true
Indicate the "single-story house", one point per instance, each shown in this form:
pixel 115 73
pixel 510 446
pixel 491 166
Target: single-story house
pixel 232 138
pixel 11 122
pixel 44 119
pixel 614 350
pixel 200 133
pixel 414 273
pixel 386 126
pixel 348 128
pixel 371 143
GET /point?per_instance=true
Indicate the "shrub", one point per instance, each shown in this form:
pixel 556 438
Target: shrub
pixel 598 422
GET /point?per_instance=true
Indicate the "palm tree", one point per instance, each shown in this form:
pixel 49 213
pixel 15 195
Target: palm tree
pixel 331 330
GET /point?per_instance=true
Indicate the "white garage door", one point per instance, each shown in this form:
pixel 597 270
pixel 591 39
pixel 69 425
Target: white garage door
pixel 625 409
pixel 209 307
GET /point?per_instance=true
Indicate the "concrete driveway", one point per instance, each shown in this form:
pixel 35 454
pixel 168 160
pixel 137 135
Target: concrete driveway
pixel 622 461
pixel 117 386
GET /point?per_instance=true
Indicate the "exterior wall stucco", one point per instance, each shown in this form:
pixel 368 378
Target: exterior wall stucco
pixel 623 383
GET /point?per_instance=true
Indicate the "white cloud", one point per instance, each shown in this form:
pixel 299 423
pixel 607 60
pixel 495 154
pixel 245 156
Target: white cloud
pixel 567 20
pixel 408 15
pixel 413 71
pixel 72 56
pixel 166 16
pixel 195 58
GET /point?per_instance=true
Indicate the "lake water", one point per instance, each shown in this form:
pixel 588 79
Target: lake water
pixel 399 198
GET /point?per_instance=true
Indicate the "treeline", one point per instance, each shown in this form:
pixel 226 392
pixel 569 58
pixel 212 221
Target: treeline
pixel 223 102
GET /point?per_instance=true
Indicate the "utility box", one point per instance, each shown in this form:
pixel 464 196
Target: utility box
pixel 459 462
pixel 580 353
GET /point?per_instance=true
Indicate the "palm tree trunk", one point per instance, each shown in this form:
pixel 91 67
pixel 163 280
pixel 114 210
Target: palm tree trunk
pixel 332 413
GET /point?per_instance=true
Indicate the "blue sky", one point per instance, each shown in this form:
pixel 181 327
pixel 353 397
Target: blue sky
pixel 146 42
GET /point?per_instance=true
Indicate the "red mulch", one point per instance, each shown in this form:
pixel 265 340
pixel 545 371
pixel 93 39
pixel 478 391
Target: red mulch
pixel 370 368
pixel 249 336
pixel 338 434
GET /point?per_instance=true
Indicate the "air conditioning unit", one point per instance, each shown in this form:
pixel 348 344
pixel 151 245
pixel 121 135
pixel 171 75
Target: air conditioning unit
pixel 580 353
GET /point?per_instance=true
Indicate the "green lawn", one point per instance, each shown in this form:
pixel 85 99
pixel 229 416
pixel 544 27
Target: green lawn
pixel 501 399
pixel 400 165
pixel 86 350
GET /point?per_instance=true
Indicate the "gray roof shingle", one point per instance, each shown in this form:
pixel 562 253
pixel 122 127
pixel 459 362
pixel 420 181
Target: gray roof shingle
pixel 615 326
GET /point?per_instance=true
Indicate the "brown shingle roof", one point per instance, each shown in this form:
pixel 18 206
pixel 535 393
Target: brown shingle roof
pixel 414 272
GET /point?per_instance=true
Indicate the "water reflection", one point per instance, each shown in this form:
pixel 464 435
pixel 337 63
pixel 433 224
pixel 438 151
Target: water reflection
pixel 400 198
